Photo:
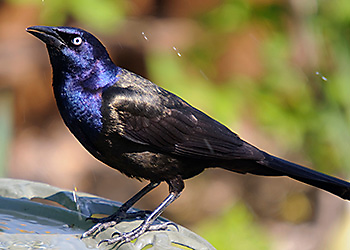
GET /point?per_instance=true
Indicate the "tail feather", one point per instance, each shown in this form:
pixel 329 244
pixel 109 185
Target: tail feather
pixel 314 178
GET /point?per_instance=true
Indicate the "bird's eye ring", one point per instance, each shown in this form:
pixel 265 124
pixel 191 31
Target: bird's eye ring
pixel 77 40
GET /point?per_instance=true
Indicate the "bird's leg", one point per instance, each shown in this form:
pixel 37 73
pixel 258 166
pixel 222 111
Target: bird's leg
pixel 121 213
pixel 146 224
pixel 175 188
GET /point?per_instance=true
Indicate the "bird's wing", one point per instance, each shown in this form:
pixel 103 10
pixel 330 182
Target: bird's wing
pixel 178 128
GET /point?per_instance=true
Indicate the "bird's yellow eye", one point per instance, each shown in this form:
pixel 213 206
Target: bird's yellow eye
pixel 77 40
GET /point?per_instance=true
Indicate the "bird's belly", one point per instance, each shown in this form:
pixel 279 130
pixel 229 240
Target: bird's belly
pixel 141 164
pixel 134 160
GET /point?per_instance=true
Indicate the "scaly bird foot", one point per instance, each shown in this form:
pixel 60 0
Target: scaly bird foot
pixel 110 221
pixel 135 233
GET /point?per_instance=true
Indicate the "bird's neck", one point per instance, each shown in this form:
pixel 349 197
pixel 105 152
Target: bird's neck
pixel 94 76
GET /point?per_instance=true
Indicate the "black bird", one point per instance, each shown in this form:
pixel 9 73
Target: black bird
pixel 146 132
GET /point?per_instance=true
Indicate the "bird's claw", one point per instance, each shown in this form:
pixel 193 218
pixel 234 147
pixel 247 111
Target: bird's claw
pixel 135 233
pixel 116 233
pixel 105 223
pixel 170 223
pixel 98 228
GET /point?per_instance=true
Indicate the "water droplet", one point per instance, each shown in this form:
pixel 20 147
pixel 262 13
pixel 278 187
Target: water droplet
pixel 178 53
pixel 75 198
pixel 144 35
pixel 208 146
pixel 322 76
pixel 75 194
pixel 204 75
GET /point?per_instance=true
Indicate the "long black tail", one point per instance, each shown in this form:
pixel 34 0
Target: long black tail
pixel 328 183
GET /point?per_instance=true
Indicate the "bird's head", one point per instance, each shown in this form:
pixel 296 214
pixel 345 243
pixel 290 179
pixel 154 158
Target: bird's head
pixel 73 51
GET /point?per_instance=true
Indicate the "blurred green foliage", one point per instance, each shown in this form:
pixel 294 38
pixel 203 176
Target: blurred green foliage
pixel 103 15
pixel 226 17
pixel 234 230
pixel 6 127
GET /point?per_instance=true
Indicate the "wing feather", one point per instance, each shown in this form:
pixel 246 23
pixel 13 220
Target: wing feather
pixel 169 124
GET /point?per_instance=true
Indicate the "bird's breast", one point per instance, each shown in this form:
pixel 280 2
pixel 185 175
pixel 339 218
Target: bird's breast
pixel 80 110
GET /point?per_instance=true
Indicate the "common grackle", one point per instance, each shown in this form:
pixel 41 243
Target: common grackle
pixel 146 132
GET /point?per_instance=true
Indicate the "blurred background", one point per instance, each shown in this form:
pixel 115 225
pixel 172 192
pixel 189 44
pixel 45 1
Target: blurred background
pixel 276 72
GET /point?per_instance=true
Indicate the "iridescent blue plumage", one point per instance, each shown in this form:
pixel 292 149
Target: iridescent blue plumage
pixel 85 72
pixel 80 98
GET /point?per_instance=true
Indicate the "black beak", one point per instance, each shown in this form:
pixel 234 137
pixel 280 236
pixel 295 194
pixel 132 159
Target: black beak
pixel 47 34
